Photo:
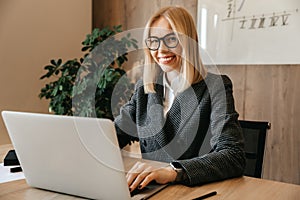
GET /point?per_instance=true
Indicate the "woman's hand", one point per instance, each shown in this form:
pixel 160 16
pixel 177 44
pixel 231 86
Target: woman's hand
pixel 141 174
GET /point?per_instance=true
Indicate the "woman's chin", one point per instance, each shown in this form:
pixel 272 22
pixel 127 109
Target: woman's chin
pixel 166 68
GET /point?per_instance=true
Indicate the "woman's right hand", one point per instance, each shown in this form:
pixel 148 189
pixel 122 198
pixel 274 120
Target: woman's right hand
pixel 141 174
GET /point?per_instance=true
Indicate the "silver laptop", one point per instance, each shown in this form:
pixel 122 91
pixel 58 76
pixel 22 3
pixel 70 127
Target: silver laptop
pixel 72 155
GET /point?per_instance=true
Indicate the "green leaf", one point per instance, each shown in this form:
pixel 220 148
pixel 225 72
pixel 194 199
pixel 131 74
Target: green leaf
pixel 53 62
pixel 86 48
pixel 59 62
pixel 118 28
pixel 134 40
pixel 135 45
pixel 49 67
pixel 54 92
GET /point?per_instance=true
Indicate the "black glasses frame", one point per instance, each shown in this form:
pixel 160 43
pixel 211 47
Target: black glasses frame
pixel 161 39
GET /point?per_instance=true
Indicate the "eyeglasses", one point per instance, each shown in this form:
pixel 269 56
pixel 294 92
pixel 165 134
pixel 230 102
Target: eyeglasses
pixel 170 40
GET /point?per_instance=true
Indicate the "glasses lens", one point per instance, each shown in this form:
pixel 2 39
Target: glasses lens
pixel 171 41
pixel 152 43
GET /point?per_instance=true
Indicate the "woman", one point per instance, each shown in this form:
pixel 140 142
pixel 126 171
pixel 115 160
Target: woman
pixel 176 105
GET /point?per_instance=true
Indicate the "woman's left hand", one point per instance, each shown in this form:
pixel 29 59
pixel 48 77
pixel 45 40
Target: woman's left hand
pixel 141 174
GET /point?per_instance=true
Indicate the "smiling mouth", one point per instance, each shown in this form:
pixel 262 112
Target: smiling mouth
pixel 165 60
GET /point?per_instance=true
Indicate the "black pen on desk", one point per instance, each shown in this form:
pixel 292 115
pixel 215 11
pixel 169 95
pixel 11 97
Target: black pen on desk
pixel 206 195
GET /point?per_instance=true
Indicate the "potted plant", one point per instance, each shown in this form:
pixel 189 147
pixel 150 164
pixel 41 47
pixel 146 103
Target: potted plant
pixel 100 68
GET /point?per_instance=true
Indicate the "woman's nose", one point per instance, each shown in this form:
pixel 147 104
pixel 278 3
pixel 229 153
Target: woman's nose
pixel 163 47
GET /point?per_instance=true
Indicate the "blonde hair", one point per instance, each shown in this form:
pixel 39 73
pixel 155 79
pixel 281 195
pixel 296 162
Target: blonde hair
pixel 182 24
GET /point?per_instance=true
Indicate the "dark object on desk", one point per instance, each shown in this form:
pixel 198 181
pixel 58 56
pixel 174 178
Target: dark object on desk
pixel 206 195
pixel 255 137
pixel 151 189
pixel 15 169
pixel 138 191
pixel 11 159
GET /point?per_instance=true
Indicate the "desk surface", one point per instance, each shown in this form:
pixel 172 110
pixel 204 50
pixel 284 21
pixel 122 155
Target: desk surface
pixel 233 189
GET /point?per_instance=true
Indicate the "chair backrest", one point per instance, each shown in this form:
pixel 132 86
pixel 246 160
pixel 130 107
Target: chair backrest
pixel 255 137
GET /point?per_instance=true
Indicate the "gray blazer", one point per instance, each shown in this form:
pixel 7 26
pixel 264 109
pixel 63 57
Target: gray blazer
pixel 204 108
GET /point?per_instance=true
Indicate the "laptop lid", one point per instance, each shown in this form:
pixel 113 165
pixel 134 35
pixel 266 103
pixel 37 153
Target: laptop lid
pixel 72 155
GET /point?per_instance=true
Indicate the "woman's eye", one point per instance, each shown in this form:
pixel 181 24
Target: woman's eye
pixel 171 39
pixel 153 41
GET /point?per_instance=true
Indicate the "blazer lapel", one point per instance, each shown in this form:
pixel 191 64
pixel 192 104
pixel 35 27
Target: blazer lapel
pixel 185 104
pixel 154 122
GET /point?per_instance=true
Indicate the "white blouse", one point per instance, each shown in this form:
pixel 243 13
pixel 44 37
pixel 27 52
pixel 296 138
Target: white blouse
pixel 169 93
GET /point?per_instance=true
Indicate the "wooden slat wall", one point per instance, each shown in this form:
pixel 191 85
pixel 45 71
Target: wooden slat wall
pixel 262 92
pixel 270 93
pixel 133 13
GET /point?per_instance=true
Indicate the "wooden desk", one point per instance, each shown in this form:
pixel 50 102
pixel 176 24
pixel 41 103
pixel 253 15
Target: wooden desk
pixel 242 188
pixel 233 189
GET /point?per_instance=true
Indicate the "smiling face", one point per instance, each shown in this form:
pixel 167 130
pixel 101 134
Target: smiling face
pixel 168 59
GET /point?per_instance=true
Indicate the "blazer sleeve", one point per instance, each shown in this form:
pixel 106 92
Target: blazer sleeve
pixel 226 160
pixel 125 122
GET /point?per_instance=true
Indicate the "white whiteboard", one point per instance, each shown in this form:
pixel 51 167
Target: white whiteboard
pixel 250 31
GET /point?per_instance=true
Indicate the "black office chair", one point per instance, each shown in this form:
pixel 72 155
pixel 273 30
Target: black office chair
pixel 255 137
